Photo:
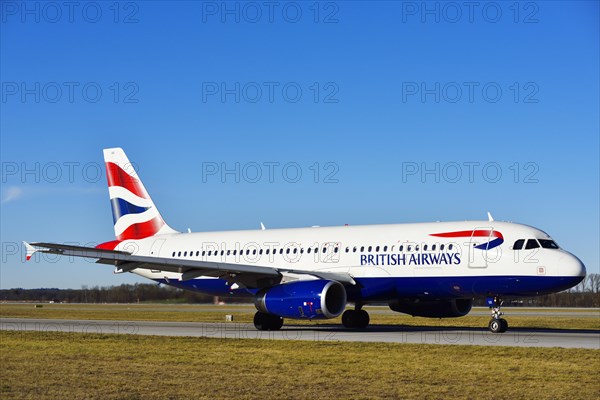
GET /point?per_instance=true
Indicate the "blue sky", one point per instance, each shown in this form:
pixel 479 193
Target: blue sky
pixel 370 94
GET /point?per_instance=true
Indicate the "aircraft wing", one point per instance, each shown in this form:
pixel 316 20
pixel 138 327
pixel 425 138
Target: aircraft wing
pixel 248 275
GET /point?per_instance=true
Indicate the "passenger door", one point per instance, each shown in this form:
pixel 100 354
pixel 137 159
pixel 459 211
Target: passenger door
pixel 478 258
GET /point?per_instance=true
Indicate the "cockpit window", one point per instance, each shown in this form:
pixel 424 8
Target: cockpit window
pixel 532 244
pixel 519 244
pixel 548 244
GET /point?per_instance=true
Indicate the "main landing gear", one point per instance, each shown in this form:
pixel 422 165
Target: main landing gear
pixel 497 324
pixel 356 319
pixel 267 322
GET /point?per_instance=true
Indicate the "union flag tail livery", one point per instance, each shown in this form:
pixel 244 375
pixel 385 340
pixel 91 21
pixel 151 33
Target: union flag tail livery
pixel 134 214
pixel 432 270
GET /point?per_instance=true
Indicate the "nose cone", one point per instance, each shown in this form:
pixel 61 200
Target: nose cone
pixel 569 265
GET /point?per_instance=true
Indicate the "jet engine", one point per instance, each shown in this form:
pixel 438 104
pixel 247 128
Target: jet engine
pixel 312 299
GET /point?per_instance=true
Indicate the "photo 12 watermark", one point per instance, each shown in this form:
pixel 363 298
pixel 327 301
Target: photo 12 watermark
pixel 270 92
pixel 470 92
pixel 470 172
pixel 69 92
pixel 270 12
pixel 270 172
pixel 70 12
pixel 471 12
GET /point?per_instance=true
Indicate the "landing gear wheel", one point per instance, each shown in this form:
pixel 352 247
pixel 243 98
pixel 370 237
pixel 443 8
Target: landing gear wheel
pixel 497 324
pixel 503 325
pixel 267 322
pixel 363 319
pixel 355 319
pixel 348 318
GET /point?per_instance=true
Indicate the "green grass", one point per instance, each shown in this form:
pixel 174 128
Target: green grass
pixel 35 365
pixel 210 313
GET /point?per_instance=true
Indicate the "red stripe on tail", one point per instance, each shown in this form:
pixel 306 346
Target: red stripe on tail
pixel 142 230
pixel 118 177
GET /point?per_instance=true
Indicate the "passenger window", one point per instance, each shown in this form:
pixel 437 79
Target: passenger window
pixel 377 249
pixel 519 244
pixel 401 248
pixel 335 250
pixel 203 253
pixel 433 247
pixel 450 246
pixel 173 254
pixel 384 249
pixel 185 253
pixel 308 250
pixel 354 249
pixel 370 248
pixel 441 247
pixel 362 249
pixel 424 247
pixel 532 244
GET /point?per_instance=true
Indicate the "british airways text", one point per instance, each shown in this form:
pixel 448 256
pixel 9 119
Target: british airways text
pixel 410 259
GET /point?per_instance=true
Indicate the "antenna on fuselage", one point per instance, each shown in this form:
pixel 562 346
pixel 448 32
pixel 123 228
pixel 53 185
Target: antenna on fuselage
pixel 262 227
pixel 490 218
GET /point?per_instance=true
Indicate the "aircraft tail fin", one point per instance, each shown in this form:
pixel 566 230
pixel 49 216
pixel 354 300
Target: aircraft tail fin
pixel 134 214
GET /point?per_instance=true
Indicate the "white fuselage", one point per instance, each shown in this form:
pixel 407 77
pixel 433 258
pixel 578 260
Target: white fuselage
pixel 371 251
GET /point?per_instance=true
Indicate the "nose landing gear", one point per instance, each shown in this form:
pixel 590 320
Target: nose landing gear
pixel 497 323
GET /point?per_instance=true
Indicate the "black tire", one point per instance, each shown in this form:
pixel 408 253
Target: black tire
pixel 495 326
pixel 276 323
pixel 267 322
pixel 349 318
pixel 355 319
pixel 363 319
pixel 261 321
pixel 503 325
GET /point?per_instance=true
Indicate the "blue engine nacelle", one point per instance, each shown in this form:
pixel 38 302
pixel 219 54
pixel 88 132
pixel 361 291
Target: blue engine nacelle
pixel 314 299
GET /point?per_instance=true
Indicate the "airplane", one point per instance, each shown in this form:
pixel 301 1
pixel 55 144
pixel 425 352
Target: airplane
pixel 433 270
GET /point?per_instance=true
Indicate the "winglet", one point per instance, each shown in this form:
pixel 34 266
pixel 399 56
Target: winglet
pixel 30 250
pixel 490 218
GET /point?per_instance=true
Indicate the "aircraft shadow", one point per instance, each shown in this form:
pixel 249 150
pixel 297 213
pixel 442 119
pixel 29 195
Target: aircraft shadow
pixel 381 328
